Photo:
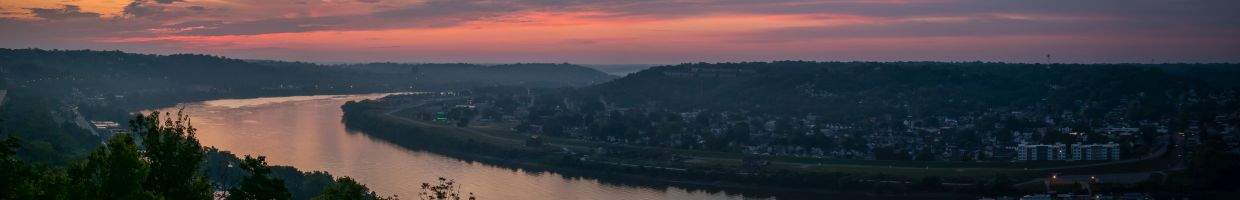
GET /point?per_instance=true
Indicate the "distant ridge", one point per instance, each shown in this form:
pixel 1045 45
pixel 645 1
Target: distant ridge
pixel 148 79
pixel 856 89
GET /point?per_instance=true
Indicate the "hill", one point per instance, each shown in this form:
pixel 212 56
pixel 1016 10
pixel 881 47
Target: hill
pixel 867 89
pixel 57 92
pixel 151 80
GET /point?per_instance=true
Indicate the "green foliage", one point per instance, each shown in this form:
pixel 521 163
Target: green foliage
pixel 157 80
pixel 169 164
pixel 859 90
pixel 443 189
pixel 21 181
pixel 43 139
pixel 116 171
pixel 260 185
pixel 14 174
pixel 167 168
pixel 8 148
pixel 346 188
pixel 303 185
pixel 220 168
pixel 175 156
pixel 1211 168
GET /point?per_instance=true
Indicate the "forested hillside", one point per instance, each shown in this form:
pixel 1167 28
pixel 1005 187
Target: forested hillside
pixel 464 75
pixel 53 93
pixel 866 89
pixel 889 110
pixel 151 80
pixel 52 150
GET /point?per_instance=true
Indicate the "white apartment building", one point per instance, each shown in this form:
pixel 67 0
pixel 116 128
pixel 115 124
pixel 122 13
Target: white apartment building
pixel 1036 152
pixel 1094 152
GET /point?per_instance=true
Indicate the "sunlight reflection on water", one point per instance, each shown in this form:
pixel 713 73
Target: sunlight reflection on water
pixel 306 132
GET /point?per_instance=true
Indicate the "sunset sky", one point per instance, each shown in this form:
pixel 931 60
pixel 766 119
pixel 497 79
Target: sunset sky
pixel 637 31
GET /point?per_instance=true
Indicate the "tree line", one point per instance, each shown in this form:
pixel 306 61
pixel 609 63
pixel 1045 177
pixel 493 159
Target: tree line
pixel 161 159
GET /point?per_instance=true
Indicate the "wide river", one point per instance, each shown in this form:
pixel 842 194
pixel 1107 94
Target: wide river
pixel 306 132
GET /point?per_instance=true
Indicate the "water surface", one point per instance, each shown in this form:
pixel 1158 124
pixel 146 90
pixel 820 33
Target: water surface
pixel 306 132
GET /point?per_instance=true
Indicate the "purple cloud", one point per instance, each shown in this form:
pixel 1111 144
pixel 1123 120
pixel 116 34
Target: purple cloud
pixel 67 12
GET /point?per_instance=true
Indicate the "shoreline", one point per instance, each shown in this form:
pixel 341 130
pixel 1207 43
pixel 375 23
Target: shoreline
pixel 646 176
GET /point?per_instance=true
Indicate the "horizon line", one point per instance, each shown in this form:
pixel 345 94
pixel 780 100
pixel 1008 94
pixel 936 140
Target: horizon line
pixel 620 64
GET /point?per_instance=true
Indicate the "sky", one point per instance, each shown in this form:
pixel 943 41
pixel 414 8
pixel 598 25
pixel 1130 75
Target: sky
pixel 638 31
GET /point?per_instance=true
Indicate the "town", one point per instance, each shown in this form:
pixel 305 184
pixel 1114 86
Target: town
pixel 1110 129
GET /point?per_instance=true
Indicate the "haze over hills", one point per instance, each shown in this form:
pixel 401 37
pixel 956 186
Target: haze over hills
pixel 143 79
pixel 528 74
pixel 621 69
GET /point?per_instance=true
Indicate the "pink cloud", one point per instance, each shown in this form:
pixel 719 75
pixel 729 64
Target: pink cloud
pixel 634 31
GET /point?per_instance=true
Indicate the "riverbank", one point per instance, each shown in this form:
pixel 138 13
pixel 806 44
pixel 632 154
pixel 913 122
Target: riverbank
pixel 219 164
pixel 310 134
pixel 472 145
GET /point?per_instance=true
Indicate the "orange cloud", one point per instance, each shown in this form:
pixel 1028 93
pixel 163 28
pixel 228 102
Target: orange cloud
pixel 21 8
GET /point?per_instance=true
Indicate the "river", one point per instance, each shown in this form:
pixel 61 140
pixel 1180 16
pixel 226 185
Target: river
pixel 306 132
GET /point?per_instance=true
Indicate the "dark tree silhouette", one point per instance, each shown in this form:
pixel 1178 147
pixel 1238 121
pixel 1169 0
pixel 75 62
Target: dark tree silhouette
pixel 175 156
pixel 259 185
pixel 113 172
pixel 444 189
pixel 1214 169
pixel 346 188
